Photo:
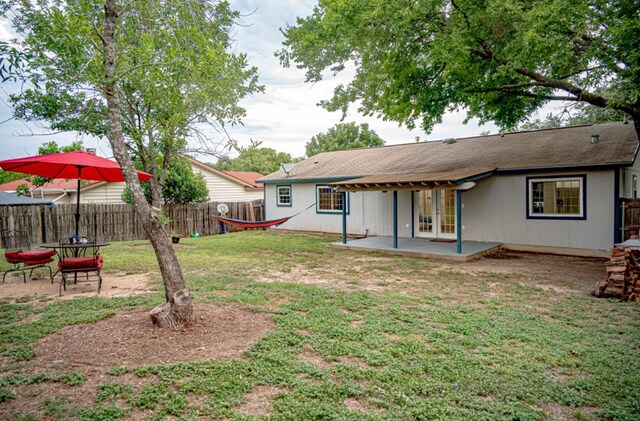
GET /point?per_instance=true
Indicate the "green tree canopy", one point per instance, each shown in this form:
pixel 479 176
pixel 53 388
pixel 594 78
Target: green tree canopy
pixel 343 136
pixel 581 114
pixel 176 70
pixel 499 60
pixel 181 185
pixel 254 158
pixel 52 147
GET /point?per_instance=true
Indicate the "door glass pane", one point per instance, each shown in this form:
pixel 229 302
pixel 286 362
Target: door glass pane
pixel 447 211
pixel 425 213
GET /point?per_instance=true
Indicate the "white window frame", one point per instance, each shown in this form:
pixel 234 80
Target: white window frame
pixel 278 202
pixel 581 179
pixel 336 211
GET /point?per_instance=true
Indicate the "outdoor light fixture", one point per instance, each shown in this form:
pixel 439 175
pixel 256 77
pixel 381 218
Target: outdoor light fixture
pixel 595 138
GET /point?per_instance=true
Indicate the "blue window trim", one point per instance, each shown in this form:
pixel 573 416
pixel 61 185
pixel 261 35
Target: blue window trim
pixel 583 192
pixel 326 212
pixel 278 204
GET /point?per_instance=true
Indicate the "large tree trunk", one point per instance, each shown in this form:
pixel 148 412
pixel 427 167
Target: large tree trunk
pixel 177 311
pixel 156 193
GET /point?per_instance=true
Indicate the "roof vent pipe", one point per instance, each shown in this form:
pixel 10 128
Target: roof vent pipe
pixel 449 141
pixel 417 138
pixel 595 138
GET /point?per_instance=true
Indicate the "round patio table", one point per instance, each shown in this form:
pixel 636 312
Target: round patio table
pixel 76 248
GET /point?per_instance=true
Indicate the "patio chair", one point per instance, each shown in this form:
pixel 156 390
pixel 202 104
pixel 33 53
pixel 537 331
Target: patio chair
pixel 85 260
pixel 19 254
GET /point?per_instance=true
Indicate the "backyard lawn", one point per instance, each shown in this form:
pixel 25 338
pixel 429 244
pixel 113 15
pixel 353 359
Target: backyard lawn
pixel 288 327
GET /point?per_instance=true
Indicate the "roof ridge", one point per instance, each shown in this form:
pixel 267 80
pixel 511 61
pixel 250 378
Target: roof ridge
pixel 472 137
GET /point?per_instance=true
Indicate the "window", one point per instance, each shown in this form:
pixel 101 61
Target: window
pixel 283 194
pixel 634 186
pixel 328 200
pixel 556 197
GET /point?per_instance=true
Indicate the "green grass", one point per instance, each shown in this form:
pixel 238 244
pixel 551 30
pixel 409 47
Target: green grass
pixel 426 342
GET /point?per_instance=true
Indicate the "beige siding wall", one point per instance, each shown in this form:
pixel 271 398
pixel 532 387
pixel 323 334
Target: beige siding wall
pixel 222 189
pixel 105 193
pixel 371 211
pixel 494 210
pixel 626 183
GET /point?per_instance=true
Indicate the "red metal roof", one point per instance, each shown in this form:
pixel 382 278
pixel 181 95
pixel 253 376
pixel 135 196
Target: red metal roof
pixel 57 184
pixel 246 176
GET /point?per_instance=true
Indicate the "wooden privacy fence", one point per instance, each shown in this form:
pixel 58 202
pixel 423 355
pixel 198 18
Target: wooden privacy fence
pixel 630 217
pixel 112 222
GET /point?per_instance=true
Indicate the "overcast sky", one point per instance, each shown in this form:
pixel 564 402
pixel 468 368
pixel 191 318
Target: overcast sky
pixel 285 117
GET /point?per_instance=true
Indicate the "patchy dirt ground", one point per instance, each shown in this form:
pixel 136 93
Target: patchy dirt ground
pixel 41 288
pixel 129 339
pixel 562 273
pixel 257 403
pixel 580 274
pixel 224 331
pixel 220 332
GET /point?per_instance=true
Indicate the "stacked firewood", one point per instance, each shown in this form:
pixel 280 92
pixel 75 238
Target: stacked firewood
pixel 622 276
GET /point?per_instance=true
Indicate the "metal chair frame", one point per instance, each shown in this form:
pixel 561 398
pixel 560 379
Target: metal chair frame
pixel 12 237
pixel 64 253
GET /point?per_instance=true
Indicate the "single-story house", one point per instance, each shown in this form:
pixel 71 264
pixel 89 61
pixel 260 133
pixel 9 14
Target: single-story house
pixel 555 190
pixel 223 186
pixel 229 186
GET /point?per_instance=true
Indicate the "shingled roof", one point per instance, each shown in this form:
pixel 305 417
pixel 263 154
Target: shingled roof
pixel 552 148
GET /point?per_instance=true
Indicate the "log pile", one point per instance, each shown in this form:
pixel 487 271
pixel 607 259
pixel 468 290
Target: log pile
pixel 622 276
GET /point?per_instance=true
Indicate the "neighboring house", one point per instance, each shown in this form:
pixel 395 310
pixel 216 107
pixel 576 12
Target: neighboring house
pixel 223 186
pixel 229 186
pixel 549 190
pixel 62 191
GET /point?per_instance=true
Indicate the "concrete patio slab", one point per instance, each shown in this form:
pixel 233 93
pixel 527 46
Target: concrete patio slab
pixel 422 247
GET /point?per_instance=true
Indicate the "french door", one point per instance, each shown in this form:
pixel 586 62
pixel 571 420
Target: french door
pixel 435 214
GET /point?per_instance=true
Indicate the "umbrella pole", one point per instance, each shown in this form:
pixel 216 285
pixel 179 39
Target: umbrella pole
pixel 78 203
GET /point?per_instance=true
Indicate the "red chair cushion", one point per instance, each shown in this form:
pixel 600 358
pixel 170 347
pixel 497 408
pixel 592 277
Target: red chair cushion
pixel 36 254
pixel 13 256
pixel 37 261
pixel 79 263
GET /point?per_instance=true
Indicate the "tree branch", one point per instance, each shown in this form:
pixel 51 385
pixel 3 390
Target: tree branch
pixel 545 81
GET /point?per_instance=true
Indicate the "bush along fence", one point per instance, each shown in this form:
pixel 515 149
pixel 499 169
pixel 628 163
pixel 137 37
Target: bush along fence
pixel 114 222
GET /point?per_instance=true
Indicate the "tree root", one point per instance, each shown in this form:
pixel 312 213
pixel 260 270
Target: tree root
pixel 176 314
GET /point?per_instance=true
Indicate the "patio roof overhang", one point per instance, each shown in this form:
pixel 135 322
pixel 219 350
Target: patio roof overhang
pixel 455 180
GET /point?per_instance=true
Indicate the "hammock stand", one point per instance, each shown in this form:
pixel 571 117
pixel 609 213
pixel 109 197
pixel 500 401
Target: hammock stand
pixel 258 224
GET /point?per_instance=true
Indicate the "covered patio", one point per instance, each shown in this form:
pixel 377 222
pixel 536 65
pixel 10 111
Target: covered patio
pixel 422 247
pixel 455 181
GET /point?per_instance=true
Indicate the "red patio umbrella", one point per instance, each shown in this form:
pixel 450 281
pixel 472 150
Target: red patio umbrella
pixel 77 164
